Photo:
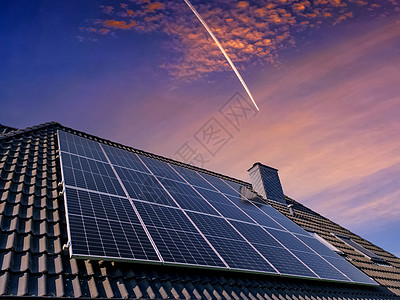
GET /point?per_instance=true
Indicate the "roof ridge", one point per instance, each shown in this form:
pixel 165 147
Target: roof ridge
pixel 28 129
pixel 4 129
pixel 14 128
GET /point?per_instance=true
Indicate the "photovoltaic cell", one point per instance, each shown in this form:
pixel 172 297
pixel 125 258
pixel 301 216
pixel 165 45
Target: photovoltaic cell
pixel 270 211
pixel 143 186
pixel 272 250
pixel 187 197
pixel 349 270
pixel 124 205
pixel 89 204
pixel 261 218
pixel 256 234
pixel 126 159
pixel 284 261
pixel 213 196
pixel 289 240
pixel 317 246
pixel 184 247
pixel 291 226
pixel 164 217
pixel 193 178
pixel 240 255
pixel 232 212
pixel 160 169
pixel 219 184
pixel 214 226
pixel 320 266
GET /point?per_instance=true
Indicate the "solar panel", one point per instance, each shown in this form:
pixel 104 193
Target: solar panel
pixel 176 237
pixel 123 205
pixel 78 145
pixel 98 221
pixel 90 174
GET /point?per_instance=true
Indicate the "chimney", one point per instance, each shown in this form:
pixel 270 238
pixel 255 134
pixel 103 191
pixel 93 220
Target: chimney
pixel 265 181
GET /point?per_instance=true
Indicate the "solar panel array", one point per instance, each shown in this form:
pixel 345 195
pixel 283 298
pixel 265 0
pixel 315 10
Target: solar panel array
pixel 126 206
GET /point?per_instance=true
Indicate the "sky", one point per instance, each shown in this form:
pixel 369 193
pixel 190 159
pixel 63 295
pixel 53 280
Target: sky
pixel 324 73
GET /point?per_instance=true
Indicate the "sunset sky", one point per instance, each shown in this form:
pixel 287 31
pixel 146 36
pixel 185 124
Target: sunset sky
pixel 325 74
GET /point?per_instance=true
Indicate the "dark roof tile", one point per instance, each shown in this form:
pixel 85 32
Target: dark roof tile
pixel 21 262
pixel 4 279
pixel 5 260
pixel 120 287
pixel 18 284
pixel 7 240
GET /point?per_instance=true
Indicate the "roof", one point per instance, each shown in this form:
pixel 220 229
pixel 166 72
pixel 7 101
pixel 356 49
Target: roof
pixel 33 232
pixel 5 129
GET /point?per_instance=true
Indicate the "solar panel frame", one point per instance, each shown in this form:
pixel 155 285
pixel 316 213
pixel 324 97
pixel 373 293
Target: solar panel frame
pixel 60 135
pixel 98 215
pixel 200 183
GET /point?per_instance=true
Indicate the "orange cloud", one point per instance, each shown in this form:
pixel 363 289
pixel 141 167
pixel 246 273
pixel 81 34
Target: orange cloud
pixel 119 24
pixel 151 7
pixel 104 31
pixel 242 4
pixel 299 7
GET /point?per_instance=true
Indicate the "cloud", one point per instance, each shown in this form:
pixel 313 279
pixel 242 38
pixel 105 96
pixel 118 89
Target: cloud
pixel 242 4
pixel 252 33
pixel 108 9
pixel 153 6
pixel 118 24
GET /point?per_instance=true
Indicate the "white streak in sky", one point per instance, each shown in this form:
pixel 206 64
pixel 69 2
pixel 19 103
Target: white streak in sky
pixel 222 50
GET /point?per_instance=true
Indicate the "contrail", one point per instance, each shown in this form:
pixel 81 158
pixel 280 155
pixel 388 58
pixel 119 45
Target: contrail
pixel 222 50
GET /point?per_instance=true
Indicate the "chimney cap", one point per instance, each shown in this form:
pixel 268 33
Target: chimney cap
pixel 260 164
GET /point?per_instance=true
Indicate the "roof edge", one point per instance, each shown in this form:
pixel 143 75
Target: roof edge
pixel 28 129
pixel 13 128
